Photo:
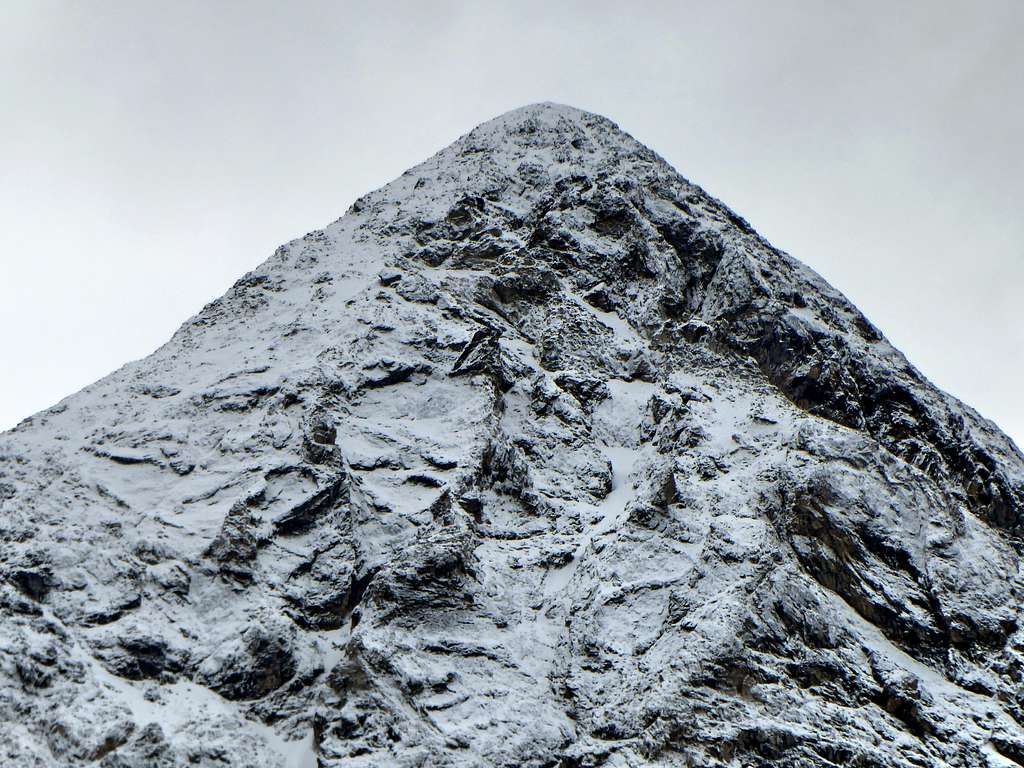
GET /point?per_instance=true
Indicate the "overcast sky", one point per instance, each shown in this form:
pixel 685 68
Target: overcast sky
pixel 152 152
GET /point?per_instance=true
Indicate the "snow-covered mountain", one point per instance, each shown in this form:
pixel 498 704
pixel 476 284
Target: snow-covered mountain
pixel 539 456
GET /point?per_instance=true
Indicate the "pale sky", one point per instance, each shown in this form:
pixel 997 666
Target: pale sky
pixel 152 152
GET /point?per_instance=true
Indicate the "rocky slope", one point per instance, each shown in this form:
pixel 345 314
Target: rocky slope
pixel 539 456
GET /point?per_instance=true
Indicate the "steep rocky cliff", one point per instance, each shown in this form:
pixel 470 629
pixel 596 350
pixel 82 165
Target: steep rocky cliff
pixel 539 456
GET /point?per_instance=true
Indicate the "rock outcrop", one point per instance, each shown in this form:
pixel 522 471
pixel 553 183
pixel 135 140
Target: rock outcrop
pixel 539 456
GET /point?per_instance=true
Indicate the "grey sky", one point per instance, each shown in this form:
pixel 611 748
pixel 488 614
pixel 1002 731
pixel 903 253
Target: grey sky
pixel 150 153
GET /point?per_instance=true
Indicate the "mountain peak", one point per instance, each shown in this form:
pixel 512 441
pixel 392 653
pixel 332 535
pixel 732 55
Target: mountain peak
pixel 518 157
pixel 544 116
pixel 545 111
pixel 539 455
pixel 548 123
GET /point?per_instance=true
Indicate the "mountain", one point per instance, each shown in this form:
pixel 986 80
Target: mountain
pixel 539 456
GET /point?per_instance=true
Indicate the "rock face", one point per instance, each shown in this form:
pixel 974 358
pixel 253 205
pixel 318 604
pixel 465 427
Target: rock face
pixel 539 456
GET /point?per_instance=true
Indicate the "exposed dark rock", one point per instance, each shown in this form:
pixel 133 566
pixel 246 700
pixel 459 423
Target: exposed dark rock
pixel 252 665
pixel 235 547
pixel 483 354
